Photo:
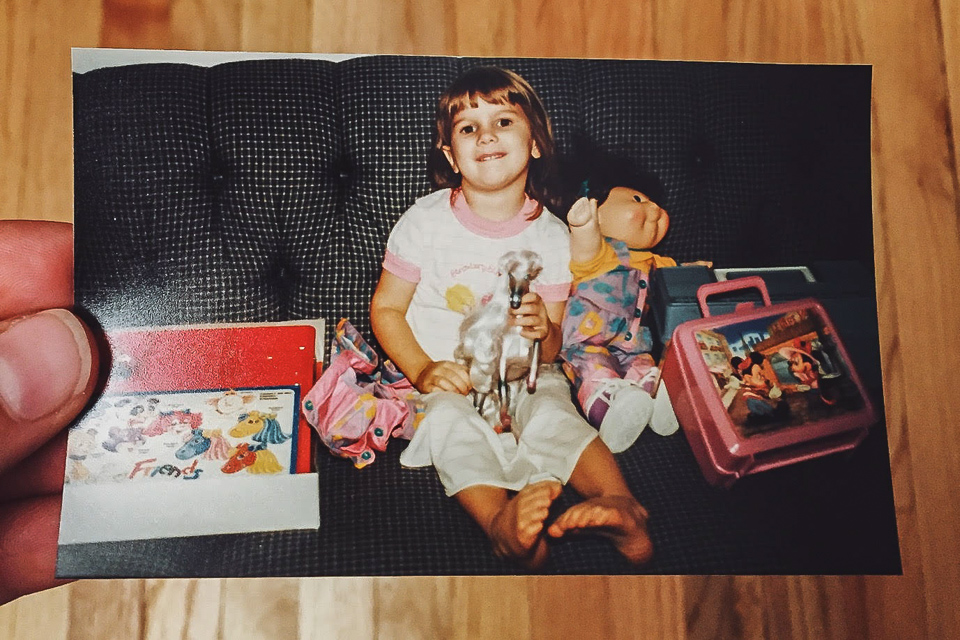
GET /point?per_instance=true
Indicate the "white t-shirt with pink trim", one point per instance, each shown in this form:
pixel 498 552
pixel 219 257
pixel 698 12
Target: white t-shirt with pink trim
pixel 452 254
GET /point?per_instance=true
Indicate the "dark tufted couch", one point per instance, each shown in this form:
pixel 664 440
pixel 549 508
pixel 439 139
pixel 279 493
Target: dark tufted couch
pixel 265 190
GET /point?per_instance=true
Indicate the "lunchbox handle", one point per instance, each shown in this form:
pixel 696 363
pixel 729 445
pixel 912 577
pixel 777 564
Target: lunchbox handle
pixel 713 288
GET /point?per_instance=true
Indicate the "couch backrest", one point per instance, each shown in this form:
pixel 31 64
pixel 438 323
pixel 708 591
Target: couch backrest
pixel 265 190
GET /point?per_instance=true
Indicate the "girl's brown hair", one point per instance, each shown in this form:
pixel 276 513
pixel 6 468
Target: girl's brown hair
pixel 496 86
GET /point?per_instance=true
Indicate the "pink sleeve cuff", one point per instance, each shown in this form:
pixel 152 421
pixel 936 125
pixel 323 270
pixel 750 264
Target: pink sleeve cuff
pixel 401 268
pixel 553 292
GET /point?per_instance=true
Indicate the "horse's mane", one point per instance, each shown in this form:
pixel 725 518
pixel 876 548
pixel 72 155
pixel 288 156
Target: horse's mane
pixel 271 432
pixel 161 423
pixel 266 462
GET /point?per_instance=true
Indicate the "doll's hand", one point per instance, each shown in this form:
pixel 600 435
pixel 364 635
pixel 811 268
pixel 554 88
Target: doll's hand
pixel 532 318
pixel 48 368
pixel 444 375
pixel 583 211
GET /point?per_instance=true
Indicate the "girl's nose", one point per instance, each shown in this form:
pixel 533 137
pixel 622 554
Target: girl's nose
pixel 487 134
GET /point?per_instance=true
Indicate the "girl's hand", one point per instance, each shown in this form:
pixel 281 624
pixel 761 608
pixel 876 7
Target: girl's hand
pixel 532 318
pixel 443 375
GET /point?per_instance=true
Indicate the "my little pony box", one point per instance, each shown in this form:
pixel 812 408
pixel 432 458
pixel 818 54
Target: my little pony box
pixel 763 386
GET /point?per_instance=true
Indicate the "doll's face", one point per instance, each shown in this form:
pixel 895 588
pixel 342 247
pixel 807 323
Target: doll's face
pixel 630 216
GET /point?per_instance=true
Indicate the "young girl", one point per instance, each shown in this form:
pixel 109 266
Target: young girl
pixel 493 145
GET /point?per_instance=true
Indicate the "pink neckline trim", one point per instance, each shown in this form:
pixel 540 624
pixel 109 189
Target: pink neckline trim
pixel 491 228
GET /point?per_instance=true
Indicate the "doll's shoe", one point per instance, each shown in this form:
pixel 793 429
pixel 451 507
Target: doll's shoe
pixel 664 419
pixel 630 410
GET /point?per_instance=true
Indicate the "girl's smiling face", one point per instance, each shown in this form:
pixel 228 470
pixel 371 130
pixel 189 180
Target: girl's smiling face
pixel 491 146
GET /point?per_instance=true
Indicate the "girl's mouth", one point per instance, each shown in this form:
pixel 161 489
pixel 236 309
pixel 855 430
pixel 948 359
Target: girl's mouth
pixel 490 156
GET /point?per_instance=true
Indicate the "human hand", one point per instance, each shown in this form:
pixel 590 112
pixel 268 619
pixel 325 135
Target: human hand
pixel 443 375
pixel 583 211
pixel 532 318
pixel 48 370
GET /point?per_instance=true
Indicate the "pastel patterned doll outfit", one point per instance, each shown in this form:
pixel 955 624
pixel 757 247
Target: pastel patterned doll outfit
pixel 451 254
pixel 360 402
pixel 603 334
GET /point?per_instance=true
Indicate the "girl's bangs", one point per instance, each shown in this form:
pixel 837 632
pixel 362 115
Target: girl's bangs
pixel 471 99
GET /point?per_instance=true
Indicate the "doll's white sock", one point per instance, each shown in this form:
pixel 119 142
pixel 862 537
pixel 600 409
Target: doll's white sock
pixel 664 419
pixel 630 410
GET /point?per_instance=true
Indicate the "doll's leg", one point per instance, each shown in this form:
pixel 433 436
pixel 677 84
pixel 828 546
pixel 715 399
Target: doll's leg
pixel 592 367
pixel 619 408
pixel 643 372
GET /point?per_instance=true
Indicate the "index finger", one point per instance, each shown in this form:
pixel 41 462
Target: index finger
pixel 36 266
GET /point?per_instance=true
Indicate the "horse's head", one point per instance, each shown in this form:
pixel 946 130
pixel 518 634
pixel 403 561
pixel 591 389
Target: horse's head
pixel 197 444
pixel 240 458
pixel 248 423
pixel 520 269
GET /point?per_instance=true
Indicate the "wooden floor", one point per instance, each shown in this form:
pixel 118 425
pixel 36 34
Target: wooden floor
pixel 915 49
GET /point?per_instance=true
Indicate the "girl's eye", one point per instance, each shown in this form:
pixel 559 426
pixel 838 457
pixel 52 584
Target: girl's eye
pixel 466 129
pixel 504 122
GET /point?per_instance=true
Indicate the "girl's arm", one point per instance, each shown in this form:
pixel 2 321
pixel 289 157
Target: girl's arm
pixel 585 237
pixel 388 311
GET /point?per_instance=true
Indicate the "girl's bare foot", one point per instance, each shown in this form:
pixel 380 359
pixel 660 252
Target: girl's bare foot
pixel 517 529
pixel 620 518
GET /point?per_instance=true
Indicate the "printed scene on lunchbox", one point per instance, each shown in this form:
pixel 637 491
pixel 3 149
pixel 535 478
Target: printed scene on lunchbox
pixel 778 371
pixel 167 436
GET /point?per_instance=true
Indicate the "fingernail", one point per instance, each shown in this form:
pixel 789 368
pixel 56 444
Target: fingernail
pixel 45 360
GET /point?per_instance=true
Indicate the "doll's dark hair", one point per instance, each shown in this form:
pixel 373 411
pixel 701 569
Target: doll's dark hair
pixel 591 171
pixel 495 86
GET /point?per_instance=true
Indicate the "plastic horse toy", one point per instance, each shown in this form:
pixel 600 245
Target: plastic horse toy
pixel 264 426
pixel 493 350
pixel 255 459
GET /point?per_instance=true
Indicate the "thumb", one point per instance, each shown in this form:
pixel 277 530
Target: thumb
pixel 48 370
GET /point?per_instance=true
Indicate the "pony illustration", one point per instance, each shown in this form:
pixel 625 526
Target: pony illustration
pixel 264 426
pixel 255 459
pixel 119 435
pixel 211 444
pixel 168 420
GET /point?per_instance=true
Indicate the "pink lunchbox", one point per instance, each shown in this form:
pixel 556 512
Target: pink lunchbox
pixel 764 386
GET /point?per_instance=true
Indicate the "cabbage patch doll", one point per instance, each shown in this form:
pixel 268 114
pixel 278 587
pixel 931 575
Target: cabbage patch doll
pixel 606 345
